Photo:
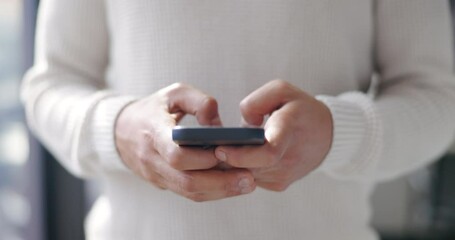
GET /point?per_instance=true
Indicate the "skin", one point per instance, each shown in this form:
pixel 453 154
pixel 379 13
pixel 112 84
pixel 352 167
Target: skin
pixel 143 139
pixel 298 137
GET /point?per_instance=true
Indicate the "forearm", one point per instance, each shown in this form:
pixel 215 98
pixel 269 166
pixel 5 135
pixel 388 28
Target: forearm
pixel 410 121
pixel 57 114
pixel 403 129
pixel 64 90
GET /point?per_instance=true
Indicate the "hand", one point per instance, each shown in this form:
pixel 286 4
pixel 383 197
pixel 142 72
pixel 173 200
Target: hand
pixel 298 135
pixel 143 136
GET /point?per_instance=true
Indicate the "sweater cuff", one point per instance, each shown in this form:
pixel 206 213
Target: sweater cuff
pixel 103 129
pixel 349 130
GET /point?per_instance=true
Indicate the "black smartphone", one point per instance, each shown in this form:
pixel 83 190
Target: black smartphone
pixel 215 136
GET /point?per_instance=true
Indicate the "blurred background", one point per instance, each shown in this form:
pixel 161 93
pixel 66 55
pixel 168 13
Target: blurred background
pixel 40 200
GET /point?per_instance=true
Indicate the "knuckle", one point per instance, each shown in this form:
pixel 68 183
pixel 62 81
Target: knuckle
pixel 160 184
pixel 244 105
pixel 209 102
pixel 178 85
pixel 273 157
pixel 152 179
pixel 175 158
pixel 143 156
pixel 143 151
pixel 187 184
pixel 149 176
pixel 148 139
pixel 280 84
pixel 206 110
pixel 174 88
pixel 175 163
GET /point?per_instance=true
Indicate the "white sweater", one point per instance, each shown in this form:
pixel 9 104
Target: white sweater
pixel 93 57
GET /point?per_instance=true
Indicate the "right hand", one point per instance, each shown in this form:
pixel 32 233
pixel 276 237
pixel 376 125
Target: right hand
pixel 143 136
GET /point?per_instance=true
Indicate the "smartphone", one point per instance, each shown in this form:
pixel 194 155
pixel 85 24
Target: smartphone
pixel 215 136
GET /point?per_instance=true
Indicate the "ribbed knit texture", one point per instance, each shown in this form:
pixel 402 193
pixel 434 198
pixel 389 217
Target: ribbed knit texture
pixel 94 57
pixel 103 130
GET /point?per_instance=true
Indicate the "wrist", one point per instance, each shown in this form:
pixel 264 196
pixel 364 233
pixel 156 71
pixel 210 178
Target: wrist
pixel 122 130
pixel 348 130
pixel 104 130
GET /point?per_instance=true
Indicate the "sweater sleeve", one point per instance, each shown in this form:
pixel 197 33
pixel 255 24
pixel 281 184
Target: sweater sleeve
pixel 411 118
pixel 63 94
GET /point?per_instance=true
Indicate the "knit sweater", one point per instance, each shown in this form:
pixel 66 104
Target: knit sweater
pixel 94 57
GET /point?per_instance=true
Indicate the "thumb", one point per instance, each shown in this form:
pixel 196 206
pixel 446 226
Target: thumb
pixel 265 100
pixel 185 99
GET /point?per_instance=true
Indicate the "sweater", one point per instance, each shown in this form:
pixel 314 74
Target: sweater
pixel 383 68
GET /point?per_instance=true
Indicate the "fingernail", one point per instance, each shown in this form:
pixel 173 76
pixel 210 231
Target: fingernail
pixel 244 183
pixel 221 155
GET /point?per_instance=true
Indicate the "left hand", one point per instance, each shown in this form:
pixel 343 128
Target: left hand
pixel 298 135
